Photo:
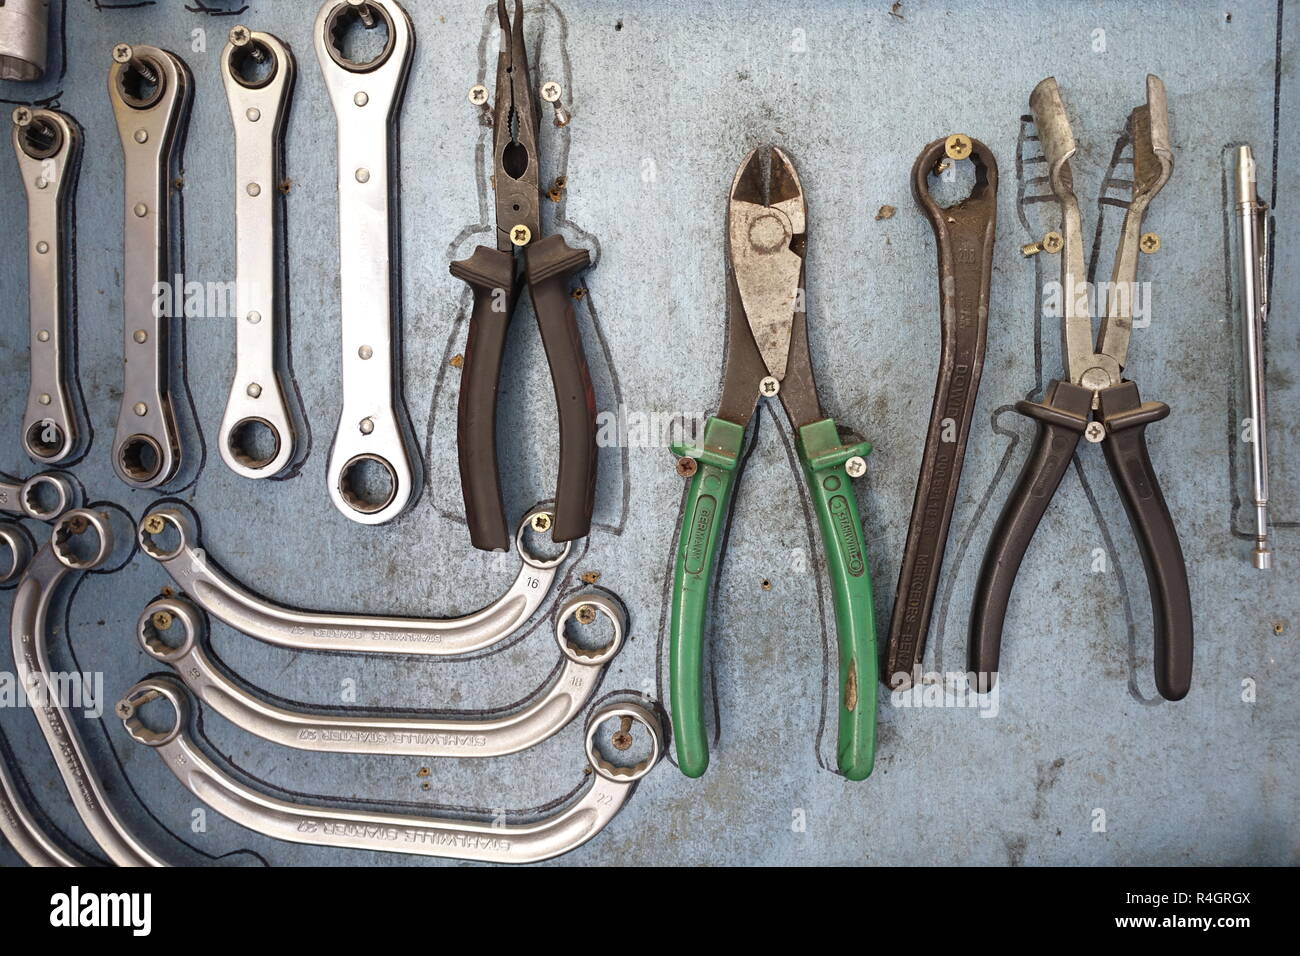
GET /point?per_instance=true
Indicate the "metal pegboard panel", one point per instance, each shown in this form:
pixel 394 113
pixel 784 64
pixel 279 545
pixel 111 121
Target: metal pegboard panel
pixel 1081 763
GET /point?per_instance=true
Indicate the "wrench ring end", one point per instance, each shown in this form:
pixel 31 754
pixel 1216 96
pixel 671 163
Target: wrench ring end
pixel 154 688
pixel 72 525
pixel 182 614
pixel 148 539
pixel 538 561
pixel 638 714
pixel 605 605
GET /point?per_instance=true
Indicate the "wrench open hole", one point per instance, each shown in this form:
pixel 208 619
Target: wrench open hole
pixel 352 44
pixel 140 91
pixel 166 631
pixel 82 540
pixel 254 442
pixel 954 184
pixel 41 138
pixel 45 497
pixel 254 64
pixel 153 713
pixel 45 439
pixel 621 744
pixel 368 484
pixel 140 457
pixel 161 535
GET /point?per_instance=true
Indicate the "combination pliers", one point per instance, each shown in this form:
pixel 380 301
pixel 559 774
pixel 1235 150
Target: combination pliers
pixel 1095 402
pixel 767 355
pixel 547 264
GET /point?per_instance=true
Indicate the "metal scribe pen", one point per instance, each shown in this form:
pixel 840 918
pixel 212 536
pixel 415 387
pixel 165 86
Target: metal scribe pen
pixel 1252 218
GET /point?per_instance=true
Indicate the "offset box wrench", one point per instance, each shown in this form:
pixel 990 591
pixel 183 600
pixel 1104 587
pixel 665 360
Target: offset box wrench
pixel 42 497
pixel 1095 402
pixel 21 823
pixel 373 466
pixel 48 146
pixel 963 234
pixel 611 785
pixel 151 91
pixel 548 263
pixel 170 536
pixel 171 630
pixel 62 558
pixel 257 434
pixel 767 355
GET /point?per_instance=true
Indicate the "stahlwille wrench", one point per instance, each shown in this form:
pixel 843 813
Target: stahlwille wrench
pixel 964 234
pixel 391 832
pixel 373 465
pixel 257 435
pixel 48 145
pixel 171 629
pixel 30 837
pixel 151 91
pixel 42 497
pixel 168 535
pixel 62 558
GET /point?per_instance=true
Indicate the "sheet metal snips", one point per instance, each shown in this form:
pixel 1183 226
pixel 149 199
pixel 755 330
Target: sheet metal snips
pixel 1095 401
pixel 767 356
pixel 547 264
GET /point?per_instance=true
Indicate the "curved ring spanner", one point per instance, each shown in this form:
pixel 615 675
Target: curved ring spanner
pixel 392 832
pixel 56 562
pixel 408 736
pixel 18 824
pixel 229 602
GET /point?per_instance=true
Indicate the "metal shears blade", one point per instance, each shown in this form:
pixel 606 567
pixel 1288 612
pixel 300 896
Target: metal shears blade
pixel 766 235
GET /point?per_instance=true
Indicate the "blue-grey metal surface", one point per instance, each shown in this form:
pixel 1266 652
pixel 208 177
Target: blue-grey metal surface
pixel 1081 763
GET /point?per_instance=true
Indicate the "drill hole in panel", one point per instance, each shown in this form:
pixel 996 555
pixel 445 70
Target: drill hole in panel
pixel 368 484
pixel 254 442
pixel 355 46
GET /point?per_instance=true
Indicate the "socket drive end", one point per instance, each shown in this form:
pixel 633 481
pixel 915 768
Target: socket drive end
pixel 1262 558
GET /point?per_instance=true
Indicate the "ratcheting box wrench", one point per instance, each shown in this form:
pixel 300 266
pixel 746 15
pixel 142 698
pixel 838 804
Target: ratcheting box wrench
pixel 151 91
pixel 611 785
pixel 80 541
pixel 767 355
pixel 373 465
pixel 48 145
pixel 1096 402
pixel 169 536
pixel 963 235
pixel 257 434
pixel 547 265
pixel 171 631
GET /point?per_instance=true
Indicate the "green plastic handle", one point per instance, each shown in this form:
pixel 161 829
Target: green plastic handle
pixel 707 504
pixel 824 457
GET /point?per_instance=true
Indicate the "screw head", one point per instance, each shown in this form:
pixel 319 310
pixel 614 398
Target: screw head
pixel 154 524
pixel 521 235
pixel 124 709
pixel 585 614
pixel 769 386
pixel 478 94
pixel 22 116
pixel 551 91
pixel 957 146
pixel 540 522
pixel 1053 242
pixel 1095 432
pixel 161 620
pixel 239 36
pixel 856 466
pixel 686 466
pixel 122 53
pixel 1149 243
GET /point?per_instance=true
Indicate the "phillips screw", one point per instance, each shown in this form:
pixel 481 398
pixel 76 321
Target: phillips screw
pixel 122 53
pixel 1149 243
pixel 364 12
pixel 240 37
pixel 551 93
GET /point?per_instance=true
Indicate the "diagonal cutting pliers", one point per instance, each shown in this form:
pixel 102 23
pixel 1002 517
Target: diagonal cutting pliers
pixel 1095 402
pixel 492 272
pixel 767 355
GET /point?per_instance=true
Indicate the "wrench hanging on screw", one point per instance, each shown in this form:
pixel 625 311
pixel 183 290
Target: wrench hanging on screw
pixel 374 464
pixel 151 91
pixel 48 146
pixel 257 435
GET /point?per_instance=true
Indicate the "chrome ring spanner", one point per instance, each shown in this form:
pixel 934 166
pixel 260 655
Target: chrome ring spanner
pixel 171 629
pixel 19 825
pixel 168 536
pixel 42 497
pixel 151 91
pixel 57 562
pixel 372 431
pixel 259 108
pixel 48 146
pixel 391 832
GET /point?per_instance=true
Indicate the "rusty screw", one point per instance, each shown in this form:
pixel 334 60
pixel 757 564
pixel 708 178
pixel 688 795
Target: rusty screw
pixel 241 37
pixel 22 117
pixel 585 614
pixel 162 620
pixel 957 146
pixel 122 53
pixel 622 739
pixel 686 467
pixel 1149 243
pixel 1053 243
pixel 551 93
pixel 154 524
pixel 541 522
pixel 124 709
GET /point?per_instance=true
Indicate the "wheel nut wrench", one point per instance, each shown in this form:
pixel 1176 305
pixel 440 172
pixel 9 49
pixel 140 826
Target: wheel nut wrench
pixel 964 236
pixel 56 563
pixel 151 91
pixel 170 630
pixel 48 146
pixel 229 602
pixel 391 832
pixel 259 110
pixel 373 431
